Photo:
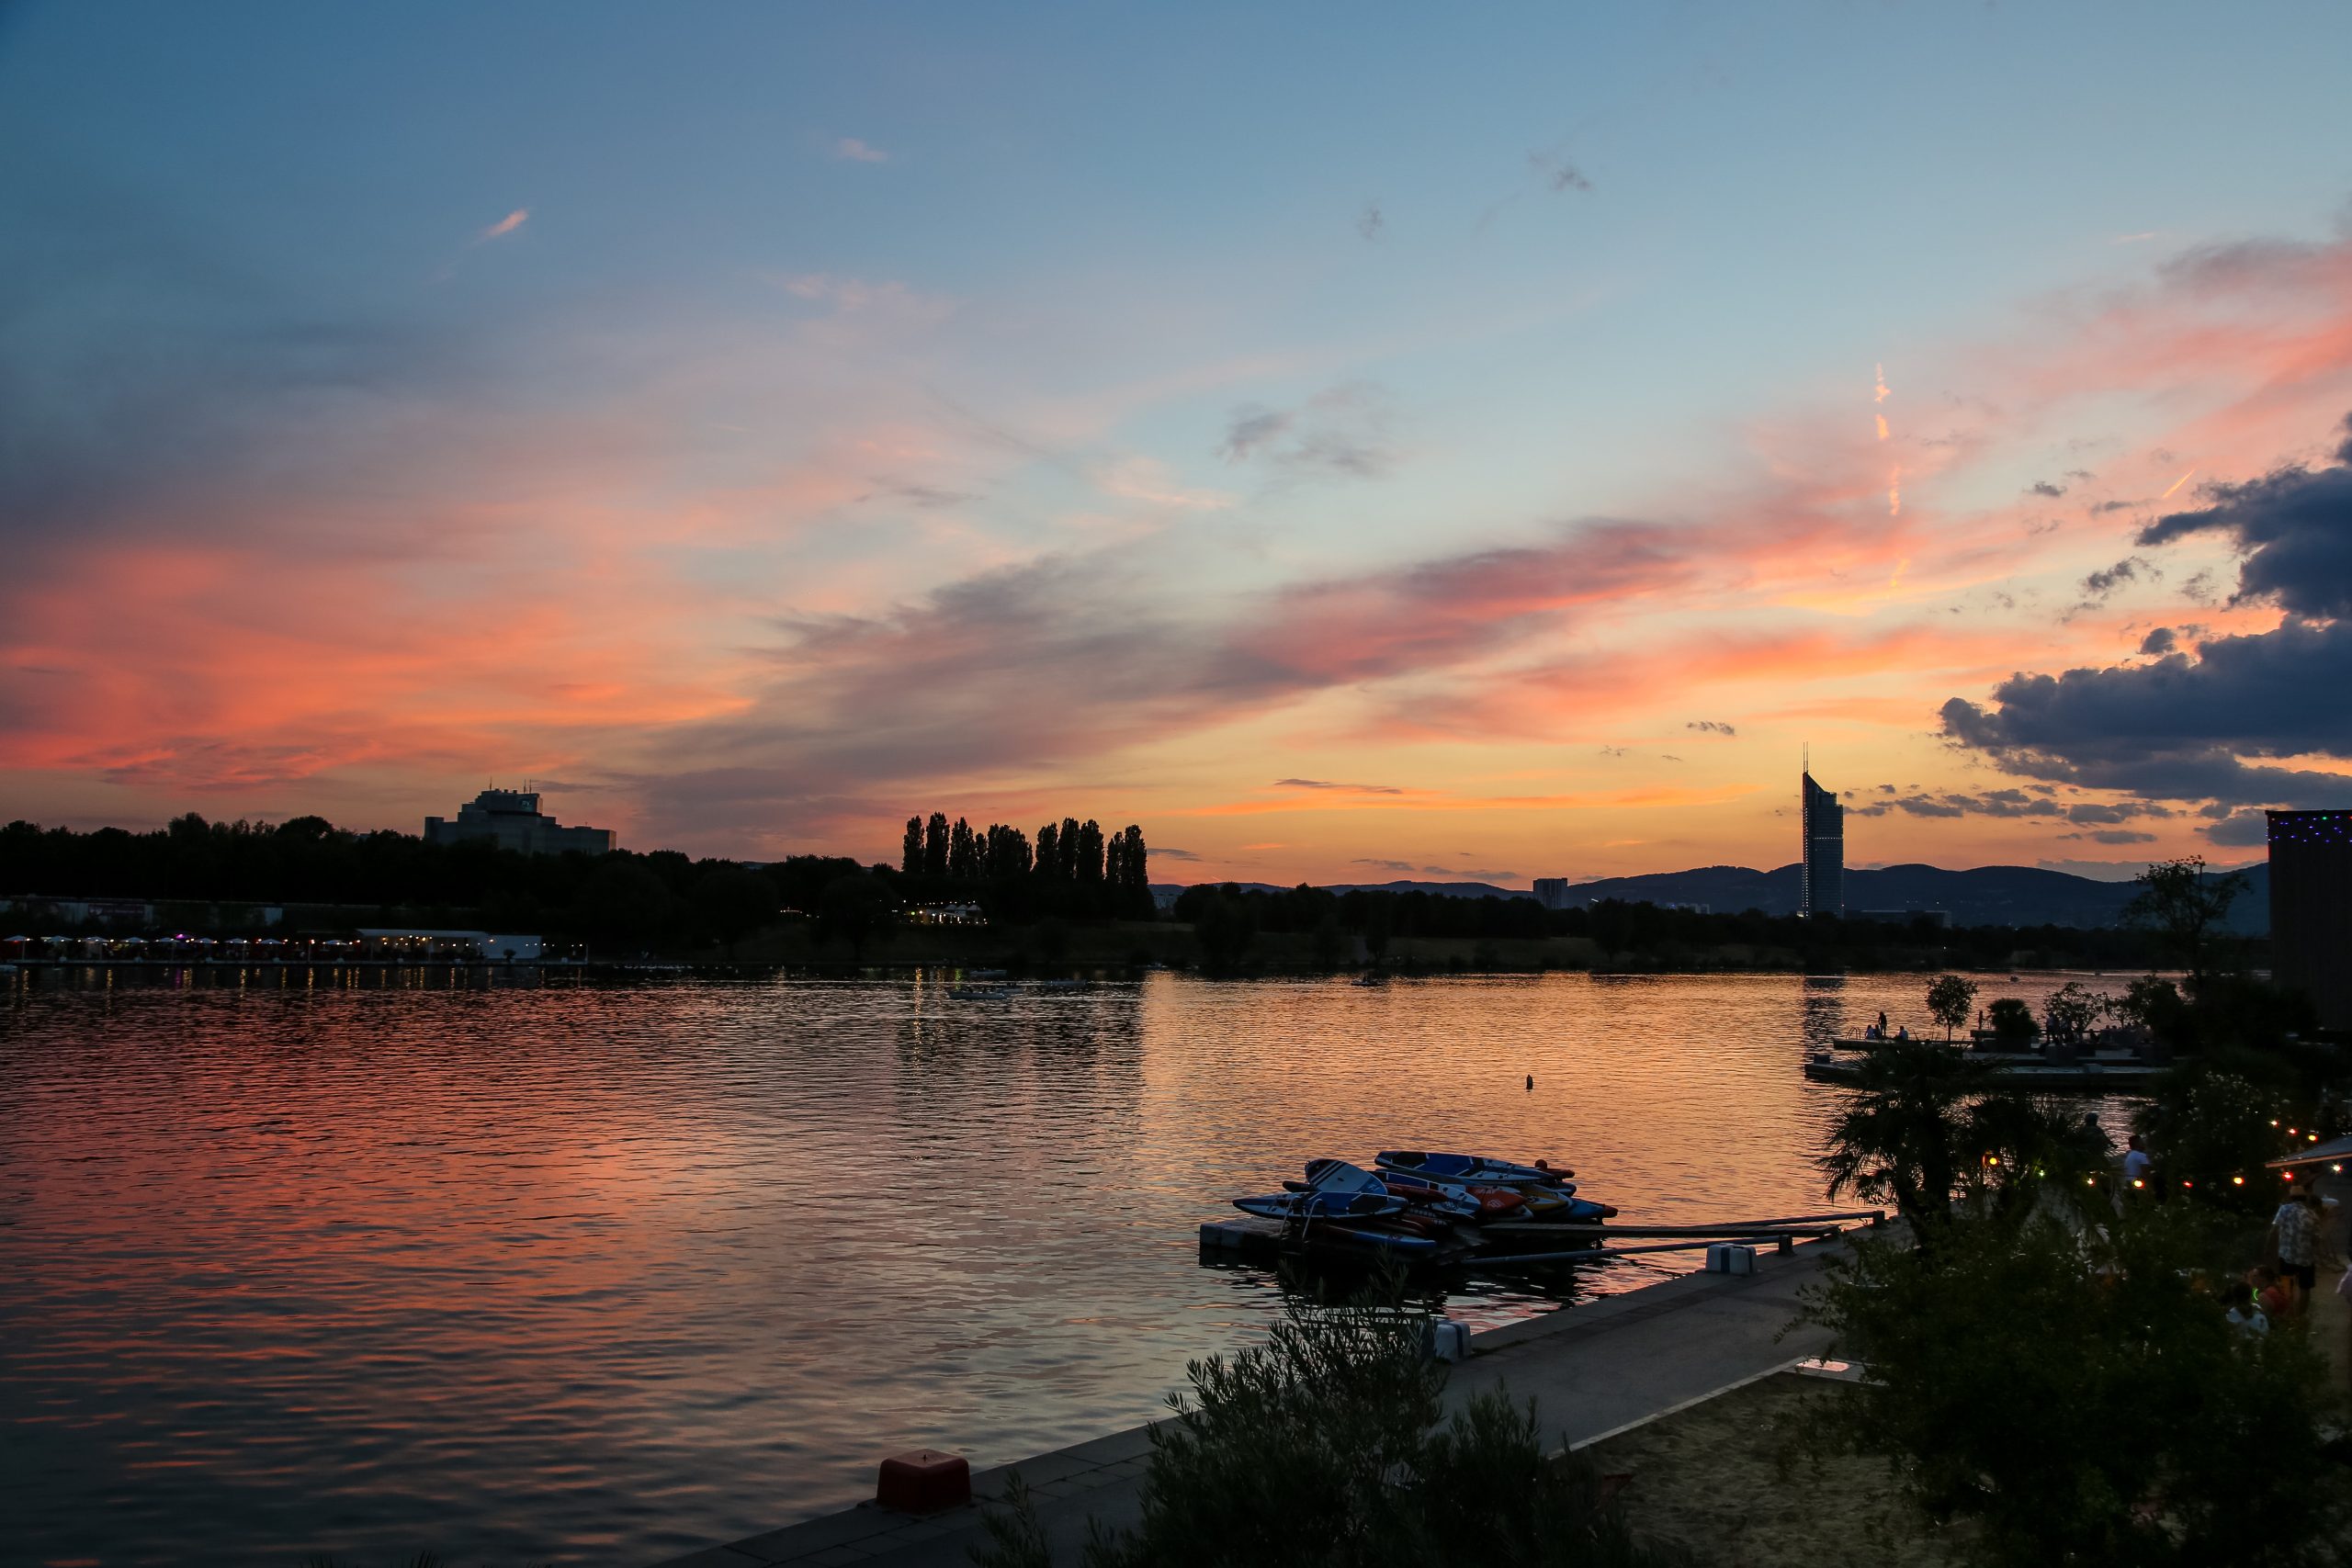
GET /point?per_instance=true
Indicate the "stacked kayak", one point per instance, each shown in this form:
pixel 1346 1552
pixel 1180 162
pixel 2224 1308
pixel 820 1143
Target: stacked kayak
pixel 1418 1203
pixel 1462 1168
pixel 1362 1216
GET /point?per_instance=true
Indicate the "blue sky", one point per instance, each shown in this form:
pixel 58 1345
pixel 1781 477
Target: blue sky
pixel 1213 316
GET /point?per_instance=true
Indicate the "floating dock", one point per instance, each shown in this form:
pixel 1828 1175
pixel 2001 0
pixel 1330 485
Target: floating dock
pixel 1511 1243
pixel 2040 1075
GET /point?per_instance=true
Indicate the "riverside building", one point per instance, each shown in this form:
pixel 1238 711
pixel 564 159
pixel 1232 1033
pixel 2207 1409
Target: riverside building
pixel 2311 908
pixel 511 819
pixel 1821 883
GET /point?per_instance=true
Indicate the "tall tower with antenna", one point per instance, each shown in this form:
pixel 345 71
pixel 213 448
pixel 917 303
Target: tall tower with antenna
pixel 1821 875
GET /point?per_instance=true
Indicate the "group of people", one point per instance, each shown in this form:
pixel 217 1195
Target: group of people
pixel 1878 1030
pixel 2284 1289
pixel 2278 1289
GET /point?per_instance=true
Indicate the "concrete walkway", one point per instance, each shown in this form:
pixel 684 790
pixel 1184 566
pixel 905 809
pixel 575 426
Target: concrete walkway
pixel 1593 1369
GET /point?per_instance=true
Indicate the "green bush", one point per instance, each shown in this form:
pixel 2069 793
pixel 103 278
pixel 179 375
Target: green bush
pixel 1323 1448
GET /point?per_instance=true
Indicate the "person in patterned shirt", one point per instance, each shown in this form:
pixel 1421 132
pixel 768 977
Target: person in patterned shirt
pixel 2297 1224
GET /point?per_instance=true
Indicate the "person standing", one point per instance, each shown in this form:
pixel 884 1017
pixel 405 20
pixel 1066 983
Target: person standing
pixel 2297 1225
pixel 2137 1165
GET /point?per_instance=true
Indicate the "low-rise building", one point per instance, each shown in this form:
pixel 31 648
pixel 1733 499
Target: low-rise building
pixel 442 947
pixel 511 819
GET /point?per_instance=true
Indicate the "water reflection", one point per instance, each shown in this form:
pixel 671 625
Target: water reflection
pixel 530 1268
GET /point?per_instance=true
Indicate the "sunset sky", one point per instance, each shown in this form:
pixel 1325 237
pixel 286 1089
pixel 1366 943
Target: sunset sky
pixel 1350 442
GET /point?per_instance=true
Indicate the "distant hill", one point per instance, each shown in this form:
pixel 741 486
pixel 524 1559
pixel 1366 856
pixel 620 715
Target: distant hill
pixel 1442 889
pixel 1987 895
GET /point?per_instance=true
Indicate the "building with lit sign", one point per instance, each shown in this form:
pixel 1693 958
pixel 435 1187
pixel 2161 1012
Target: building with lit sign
pixel 2311 910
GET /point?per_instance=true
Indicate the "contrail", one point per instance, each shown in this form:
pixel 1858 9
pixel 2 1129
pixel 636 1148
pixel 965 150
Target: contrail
pixel 506 225
pixel 1894 493
pixel 1881 396
pixel 1882 427
pixel 2176 485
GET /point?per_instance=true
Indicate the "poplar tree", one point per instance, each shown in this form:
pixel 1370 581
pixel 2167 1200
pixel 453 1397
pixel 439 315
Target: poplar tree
pixel 910 848
pixel 1008 852
pixel 934 845
pixel 961 861
pixel 1049 861
pixel 1089 869
pixel 1128 856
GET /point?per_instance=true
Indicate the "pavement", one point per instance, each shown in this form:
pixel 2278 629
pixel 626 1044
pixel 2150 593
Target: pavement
pixel 1595 1370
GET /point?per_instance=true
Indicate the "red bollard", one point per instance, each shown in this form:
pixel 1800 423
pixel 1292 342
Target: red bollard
pixel 925 1482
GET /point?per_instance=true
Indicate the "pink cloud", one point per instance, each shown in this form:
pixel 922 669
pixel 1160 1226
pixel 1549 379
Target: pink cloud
pixel 504 226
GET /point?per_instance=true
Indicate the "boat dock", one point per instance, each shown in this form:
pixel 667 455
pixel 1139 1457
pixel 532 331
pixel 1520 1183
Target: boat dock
pixel 2036 1074
pixel 1595 1370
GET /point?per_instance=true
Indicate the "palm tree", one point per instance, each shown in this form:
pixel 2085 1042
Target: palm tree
pixel 1926 1128
pixel 2024 1148
pixel 1898 1139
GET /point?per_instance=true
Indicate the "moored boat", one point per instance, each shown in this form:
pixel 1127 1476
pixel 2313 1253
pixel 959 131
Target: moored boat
pixel 1483 1203
pixel 1461 1170
pixel 1319 1205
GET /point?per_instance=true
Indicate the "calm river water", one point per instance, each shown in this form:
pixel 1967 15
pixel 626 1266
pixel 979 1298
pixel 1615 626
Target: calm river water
pixel 600 1273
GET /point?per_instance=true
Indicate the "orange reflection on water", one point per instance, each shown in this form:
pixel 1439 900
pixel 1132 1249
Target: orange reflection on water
pixel 575 1273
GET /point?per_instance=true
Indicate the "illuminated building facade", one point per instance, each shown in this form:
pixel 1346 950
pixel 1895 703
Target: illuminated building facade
pixel 2311 910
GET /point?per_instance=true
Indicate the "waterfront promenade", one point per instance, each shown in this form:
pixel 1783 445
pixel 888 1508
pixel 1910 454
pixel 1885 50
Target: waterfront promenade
pixel 1594 1370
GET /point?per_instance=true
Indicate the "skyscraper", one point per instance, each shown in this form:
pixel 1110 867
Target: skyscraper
pixel 1821 882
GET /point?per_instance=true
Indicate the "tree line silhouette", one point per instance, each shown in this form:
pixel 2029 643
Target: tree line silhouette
pixel 1227 919
pixel 1073 871
pixel 331 878
pixel 334 877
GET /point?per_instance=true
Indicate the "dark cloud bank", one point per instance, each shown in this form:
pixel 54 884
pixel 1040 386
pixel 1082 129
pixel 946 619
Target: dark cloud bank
pixel 2197 725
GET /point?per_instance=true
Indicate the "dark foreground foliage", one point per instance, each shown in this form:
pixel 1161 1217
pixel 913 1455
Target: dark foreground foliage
pixel 2080 1396
pixel 1323 1448
pixel 1931 1132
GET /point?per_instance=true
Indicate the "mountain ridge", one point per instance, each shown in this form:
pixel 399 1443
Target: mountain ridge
pixel 1979 896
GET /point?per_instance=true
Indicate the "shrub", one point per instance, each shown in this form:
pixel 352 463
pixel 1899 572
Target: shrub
pixel 2011 1020
pixel 1323 1448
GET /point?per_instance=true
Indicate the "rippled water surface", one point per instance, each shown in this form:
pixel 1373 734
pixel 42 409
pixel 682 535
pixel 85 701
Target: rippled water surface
pixel 370 1263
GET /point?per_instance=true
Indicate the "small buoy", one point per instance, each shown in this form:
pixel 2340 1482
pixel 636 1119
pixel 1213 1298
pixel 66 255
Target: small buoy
pixel 1530 1083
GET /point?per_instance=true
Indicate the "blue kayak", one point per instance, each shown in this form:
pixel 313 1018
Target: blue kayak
pixel 1427 1199
pixel 1462 1170
pixel 1321 1205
